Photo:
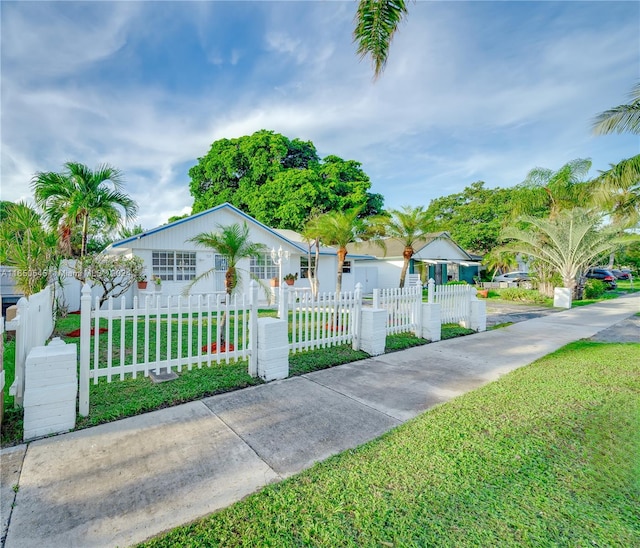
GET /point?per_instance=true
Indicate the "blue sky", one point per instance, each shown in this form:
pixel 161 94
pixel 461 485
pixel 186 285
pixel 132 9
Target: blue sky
pixel 472 91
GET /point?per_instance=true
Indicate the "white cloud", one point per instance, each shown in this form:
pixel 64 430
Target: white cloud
pixel 444 114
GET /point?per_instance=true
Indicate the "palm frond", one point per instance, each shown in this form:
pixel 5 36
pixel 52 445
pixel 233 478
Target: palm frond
pixel 376 24
pixel 620 119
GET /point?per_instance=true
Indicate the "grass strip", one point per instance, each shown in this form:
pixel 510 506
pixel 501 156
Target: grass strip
pixel 549 455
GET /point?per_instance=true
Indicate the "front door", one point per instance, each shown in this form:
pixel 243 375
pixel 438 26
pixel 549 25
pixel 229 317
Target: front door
pixel 220 269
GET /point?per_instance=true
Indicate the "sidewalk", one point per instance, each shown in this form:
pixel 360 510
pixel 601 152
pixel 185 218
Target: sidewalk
pixel 123 482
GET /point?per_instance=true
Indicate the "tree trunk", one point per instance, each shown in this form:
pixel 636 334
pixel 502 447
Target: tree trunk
pixel 342 253
pixel 407 254
pixel 315 269
pixel 85 235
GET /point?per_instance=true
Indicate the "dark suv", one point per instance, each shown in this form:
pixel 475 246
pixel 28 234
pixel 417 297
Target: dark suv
pixel 603 275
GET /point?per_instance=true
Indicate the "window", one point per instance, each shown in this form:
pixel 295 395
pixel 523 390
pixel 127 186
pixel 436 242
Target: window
pixel 346 267
pixel 172 266
pixel 262 267
pixel 304 266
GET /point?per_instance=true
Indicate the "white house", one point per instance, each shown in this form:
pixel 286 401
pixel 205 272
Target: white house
pixel 168 253
pixel 442 259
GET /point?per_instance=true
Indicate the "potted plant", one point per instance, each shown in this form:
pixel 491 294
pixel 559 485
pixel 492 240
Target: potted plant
pixel 290 278
pixel 157 280
pixel 274 282
pixel 142 281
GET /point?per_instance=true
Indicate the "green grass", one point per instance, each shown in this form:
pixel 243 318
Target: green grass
pixel 549 455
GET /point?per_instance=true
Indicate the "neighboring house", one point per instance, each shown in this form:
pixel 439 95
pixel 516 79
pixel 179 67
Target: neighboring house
pixel 443 259
pixel 168 253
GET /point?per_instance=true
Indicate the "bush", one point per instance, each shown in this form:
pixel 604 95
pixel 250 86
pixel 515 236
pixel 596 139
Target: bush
pixel 457 282
pixel 522 295
pixel 594 289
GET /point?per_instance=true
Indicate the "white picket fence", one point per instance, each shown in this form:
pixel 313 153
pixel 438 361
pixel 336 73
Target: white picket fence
pixel 164 334
pixel 328 319
pixel 33 325
pixel 403 308
pixel 454 301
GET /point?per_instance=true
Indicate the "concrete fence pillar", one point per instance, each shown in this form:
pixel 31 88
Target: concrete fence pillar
pixel 431 326
pixel 273 349
pixel 373 330
pixel 478 320
pixel 562 297
pixel 51 389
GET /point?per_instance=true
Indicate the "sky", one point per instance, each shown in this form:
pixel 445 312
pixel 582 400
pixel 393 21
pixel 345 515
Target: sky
pixel 473 91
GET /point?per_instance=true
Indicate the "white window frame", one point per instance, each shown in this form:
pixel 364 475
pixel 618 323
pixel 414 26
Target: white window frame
pixel 170 265
pixel 262 267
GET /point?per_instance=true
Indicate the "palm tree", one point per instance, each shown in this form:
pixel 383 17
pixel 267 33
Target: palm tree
pixel 340 228
pixel 569 242
pixel 548 191
pixel 407 226
pixel 622 118
pixel 233 243
pixel 26 245
pixel 376 24
pixel 500 261
pixel 70 198
pixel 618 191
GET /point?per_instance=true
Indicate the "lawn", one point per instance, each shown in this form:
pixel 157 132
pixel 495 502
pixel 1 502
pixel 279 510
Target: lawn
pixel 549 455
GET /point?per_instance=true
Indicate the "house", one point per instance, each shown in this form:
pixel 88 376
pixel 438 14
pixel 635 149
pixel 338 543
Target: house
pixel 437 255
pixel 169 254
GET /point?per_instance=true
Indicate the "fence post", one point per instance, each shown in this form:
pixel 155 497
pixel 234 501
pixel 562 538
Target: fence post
pixel 374 331
pixel 431 322
pixel 22 334
pixel 85 349
pixel 253 328
pixel 477 314
pixel 416 311
pixel 283 302
pixel 357 325
pixel 431 291
pixel 376 298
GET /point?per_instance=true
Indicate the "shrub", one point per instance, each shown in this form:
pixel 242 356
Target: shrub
pixel 457 282
pixel 522 295
pixel 594 289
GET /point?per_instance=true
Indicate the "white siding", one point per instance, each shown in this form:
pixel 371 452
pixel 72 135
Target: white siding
pixel 442 249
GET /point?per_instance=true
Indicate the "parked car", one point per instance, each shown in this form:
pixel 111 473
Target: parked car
pixel 518 276
pixel 620 274
pixel 603 275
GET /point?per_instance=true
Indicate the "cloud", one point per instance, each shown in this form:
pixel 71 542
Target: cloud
pixel 465 96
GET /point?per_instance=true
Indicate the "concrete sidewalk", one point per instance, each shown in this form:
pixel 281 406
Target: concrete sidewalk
pixel 123 482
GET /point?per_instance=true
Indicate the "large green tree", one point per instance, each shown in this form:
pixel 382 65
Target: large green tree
pixel 473 217
pixel 407 225
pixel 77 194
pixel 620 119
pixel 279 181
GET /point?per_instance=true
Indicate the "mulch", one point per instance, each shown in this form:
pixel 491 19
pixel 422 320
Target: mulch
pixel 76 332
pixel 214 348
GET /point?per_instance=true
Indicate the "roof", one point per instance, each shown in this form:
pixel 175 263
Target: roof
pixel 394 247
pixel 287 236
